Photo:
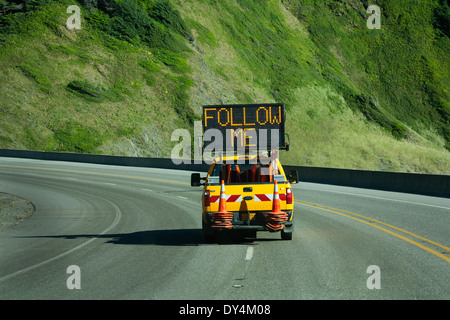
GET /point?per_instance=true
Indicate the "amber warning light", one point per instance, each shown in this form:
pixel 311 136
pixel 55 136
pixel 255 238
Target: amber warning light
pixel 250 126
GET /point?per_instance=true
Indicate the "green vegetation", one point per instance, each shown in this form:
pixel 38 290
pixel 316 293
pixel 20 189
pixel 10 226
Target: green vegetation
pixel 180 103
pixel 35 74
pixel 139 69
pixel 204 34
pixel 176 62
pixel 75 137
pixel 400 66
pixel 89 91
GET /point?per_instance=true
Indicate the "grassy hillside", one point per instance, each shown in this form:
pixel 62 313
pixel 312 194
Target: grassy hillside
pixel 137 70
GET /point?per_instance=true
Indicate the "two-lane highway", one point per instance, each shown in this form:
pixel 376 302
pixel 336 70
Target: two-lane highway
pixel 135 233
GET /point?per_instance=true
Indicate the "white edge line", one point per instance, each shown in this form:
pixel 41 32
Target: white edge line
pixel 113 224
pixel 381 198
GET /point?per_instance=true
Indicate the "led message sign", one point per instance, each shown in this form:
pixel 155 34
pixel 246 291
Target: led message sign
pixel 248 126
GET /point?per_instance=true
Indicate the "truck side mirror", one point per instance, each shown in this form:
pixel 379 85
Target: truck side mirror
pixel 195 180
pixel 293 176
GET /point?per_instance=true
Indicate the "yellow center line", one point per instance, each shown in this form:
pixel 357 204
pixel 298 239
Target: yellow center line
pixel 94 173
pixel 370 223
pixel 380 222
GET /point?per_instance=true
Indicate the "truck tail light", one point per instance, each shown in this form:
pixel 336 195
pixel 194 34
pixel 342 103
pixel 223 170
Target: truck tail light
pixel 288 196
pixel 206 198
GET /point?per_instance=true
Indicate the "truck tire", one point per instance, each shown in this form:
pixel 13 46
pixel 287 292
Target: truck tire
pixel 286 235
pixel 208 233
pixel 208 238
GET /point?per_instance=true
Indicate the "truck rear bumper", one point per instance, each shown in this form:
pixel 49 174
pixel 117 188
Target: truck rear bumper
pixel 244 221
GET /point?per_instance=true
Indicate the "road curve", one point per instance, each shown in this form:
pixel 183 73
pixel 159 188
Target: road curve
pixel 135 233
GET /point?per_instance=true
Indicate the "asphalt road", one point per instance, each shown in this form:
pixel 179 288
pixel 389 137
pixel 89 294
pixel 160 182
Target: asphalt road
pixel 135 233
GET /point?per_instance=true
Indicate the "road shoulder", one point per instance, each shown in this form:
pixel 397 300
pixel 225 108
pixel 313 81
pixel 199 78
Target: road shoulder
pixel 13 210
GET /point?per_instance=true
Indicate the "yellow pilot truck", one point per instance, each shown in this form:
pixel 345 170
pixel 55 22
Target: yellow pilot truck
pixel 246 187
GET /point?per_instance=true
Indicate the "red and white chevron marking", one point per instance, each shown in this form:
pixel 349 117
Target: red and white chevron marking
pixel 230 198
pixel 257 198
pixel 268 197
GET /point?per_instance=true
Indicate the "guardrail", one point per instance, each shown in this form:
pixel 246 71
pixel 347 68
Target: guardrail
pixel 417 183
pixel 163 163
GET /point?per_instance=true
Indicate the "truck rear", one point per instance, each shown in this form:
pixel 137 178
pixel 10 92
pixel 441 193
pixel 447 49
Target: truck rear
pixel 256 191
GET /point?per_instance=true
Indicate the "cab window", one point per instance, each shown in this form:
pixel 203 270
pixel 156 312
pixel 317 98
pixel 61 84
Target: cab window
pixel 245 173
